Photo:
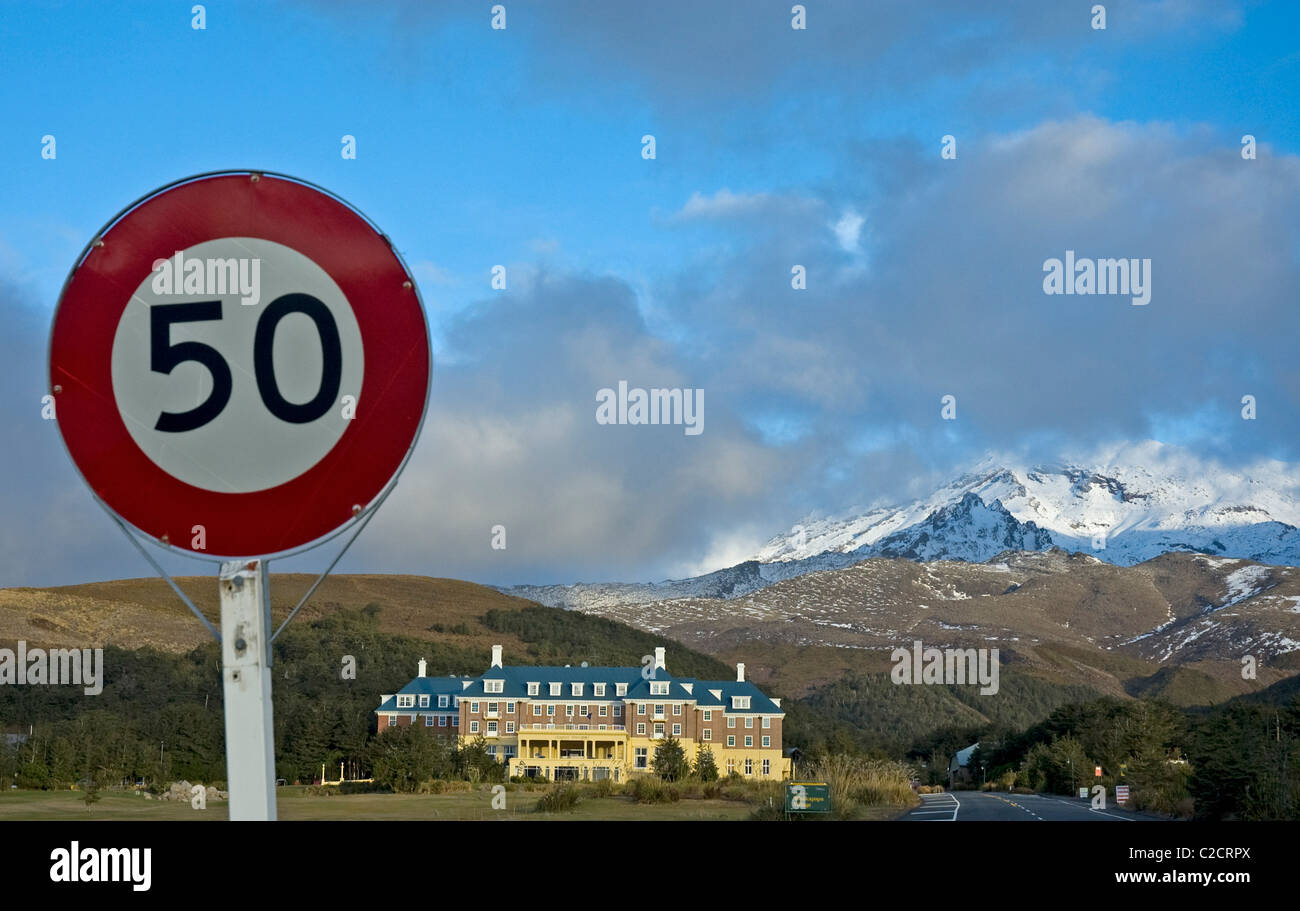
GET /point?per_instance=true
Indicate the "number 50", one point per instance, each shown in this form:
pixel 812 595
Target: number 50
pixel 164 357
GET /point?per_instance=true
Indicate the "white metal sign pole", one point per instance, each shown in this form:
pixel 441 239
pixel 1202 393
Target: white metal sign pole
pixel 246 675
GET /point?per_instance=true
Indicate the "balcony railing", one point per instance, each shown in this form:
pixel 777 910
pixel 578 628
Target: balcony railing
pixel 573 727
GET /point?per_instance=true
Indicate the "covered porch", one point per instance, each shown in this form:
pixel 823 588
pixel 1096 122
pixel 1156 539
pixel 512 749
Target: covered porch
pixel 570 753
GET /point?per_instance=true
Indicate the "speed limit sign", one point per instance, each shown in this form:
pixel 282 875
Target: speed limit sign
pixel 240 364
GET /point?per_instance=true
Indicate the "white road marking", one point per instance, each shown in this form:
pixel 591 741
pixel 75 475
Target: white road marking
pixel 1088 808
pixel 937 800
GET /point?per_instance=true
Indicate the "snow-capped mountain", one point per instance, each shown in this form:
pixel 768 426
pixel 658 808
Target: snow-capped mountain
pixel 1143 501
pixel 1139 502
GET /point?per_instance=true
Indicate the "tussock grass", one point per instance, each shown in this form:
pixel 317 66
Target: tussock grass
pixel 856 783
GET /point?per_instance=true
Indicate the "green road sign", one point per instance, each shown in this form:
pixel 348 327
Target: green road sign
pixel 807 797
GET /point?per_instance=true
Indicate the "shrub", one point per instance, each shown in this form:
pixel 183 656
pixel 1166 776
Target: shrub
pixel 559 799
pixel 650 790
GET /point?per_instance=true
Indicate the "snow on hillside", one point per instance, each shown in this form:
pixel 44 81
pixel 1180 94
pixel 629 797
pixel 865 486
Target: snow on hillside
pixel 1140 502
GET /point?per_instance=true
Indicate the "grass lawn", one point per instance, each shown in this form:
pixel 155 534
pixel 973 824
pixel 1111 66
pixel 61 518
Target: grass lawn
pixel 295 803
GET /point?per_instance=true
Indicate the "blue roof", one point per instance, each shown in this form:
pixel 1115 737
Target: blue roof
pixel 424 686
pixel 515 680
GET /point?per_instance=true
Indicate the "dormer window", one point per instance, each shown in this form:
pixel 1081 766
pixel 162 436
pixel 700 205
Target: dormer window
pixel 555 689
pixel 598 689
pixel 442 701
pixel 577 689
pixel 493 686
pixel 534 688
pixel 658 687
pixel 620 689
pixel 424 701
pixel 740 702
pixel 405 702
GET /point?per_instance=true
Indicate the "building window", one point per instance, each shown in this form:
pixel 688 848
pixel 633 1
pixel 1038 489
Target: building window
pixel 510 708
pixel 455 721
pixel 442 721
pixel 740 702
pixel 767 721
pixel 598 689
pixel 620 689
pixel 568 710
pixel 473 727
pixel 731 740
pixel 473 708
pixel 392 720
pixel 640 708
pixel 658 687
pixel 424 701
pixel 640 729
pixel 555 689
pixel 533 688
pixel 749 767
pixel 492 729
pixel 642 756
pixel 618 711
pixel 767 741
pixel 537 709
pixel 492 750
pixel 428 721
pixel 767 767
pixel 659 711
pixel 550 711
pixel 749 741
pixel 707 734
pixel 493 686
pixel 659 729
pixel 604 711
pixel 510 727
pixel 731 721
pixel 405 702
pixel 576 689
pixel 749 722
pixel 492 707
pixel 731 766
pixel 677 709
pixel 442 701
pixel 708 715
pixel 584 711
pixel 677 730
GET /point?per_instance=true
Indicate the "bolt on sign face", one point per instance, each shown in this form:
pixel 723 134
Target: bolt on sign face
pixel 240 365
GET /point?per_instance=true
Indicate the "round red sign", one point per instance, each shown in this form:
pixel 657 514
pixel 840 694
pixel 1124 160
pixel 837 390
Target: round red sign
pixel 240 365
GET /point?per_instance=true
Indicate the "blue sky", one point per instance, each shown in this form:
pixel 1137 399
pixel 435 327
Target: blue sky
pixel 522 147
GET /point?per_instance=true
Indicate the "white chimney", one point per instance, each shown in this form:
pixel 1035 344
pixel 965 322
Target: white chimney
pixel 659 659
pixel 496 656
pixel 423 667
pixel 740 672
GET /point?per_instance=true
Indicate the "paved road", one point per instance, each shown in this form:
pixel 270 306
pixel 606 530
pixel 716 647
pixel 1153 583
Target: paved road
pixel 982 806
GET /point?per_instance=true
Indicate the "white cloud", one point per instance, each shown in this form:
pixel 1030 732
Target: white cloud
pixel 848 230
